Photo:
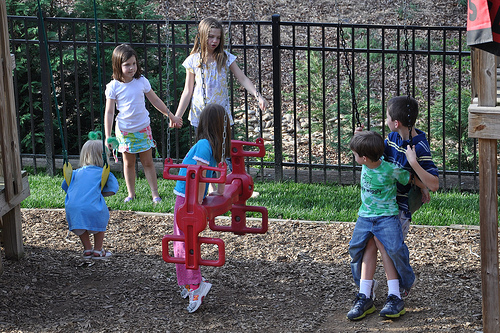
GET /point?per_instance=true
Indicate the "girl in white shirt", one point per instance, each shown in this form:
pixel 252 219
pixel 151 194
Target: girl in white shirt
pixel 206 73
pixel 125 92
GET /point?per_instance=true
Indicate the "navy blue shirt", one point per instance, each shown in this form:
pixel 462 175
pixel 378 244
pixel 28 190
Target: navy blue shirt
pixel 395 148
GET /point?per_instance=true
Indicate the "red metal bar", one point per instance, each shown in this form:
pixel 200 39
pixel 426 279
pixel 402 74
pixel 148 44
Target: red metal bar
pixel 201 240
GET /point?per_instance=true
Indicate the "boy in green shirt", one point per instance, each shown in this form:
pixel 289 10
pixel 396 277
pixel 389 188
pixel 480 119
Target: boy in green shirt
pixel 378 217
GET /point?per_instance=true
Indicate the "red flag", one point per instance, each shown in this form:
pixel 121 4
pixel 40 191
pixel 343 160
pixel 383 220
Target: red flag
pixel 483 25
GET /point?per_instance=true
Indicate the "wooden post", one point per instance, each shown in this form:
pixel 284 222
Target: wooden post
pixel 10 158
pixel 484 123
pixel 488 210
pixel 13 234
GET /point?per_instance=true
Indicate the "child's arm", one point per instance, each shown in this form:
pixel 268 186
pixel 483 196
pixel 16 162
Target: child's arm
pixel 249 86
pixel 220 188
pixel 428 180
pixel 109 113
pixel 201 186
pixel 426 196
pixel 187 93
pixel 160 106
pixel 111 186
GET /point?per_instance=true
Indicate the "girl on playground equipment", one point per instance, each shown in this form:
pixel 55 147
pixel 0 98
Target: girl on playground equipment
pixel 126 92
pixel 206 74
pixel 86 210
pixel 206 151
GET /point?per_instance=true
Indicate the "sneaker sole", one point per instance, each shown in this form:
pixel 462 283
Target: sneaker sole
pixel 367 312
pixel 392 316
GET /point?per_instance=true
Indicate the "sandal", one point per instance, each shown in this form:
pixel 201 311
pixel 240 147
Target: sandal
pixel 156 200
pixel 102 254
pixel 87 254
pixel 127 199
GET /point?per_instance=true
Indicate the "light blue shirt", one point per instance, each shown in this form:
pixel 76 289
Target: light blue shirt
pixel 200 152
pixel 85 205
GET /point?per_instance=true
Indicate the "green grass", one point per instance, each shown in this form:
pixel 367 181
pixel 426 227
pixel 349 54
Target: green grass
pixel 286 200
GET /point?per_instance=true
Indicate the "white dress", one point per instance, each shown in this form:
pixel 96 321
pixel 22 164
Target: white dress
pixel 216 86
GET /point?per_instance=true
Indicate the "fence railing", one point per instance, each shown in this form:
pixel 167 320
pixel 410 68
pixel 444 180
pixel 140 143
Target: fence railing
pixel 301 68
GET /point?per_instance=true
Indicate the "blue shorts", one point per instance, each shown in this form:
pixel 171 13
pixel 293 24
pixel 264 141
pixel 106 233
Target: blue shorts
pixel 387 229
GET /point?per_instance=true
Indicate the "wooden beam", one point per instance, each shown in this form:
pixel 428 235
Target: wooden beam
pixel 11 158
pixel 6 206
pixel 486 78
pixel 488 211
pixel 484 120
pixel 12 234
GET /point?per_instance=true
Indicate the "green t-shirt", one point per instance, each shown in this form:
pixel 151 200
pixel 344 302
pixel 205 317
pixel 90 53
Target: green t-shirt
pixel 378 189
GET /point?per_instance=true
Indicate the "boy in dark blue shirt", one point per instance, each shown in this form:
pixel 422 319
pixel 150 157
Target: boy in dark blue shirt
pixel 402 113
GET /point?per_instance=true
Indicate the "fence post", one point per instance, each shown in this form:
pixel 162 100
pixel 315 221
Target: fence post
pixel 278 147
pixel 46 104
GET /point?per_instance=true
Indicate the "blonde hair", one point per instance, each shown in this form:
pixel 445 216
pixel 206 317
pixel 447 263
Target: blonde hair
pixel 91 153
pixel 201 43
pixel 122 53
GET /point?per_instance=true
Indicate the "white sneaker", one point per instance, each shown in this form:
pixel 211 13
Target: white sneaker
pixel 184 291
pixel 196 296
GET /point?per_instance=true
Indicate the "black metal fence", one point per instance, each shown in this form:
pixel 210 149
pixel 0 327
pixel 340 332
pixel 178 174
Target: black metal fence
pixel 307 71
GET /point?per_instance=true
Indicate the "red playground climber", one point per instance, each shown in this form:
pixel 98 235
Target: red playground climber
pixel 192 218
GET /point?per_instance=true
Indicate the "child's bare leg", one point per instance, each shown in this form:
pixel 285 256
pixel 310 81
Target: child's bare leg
pixel 394 306
pixel 129 173
pixel 85 238
pixel 368 266
pixel 369 263
pixel 99 252
pixel 390 270
pixel 98 241
pixel 150 171
pixel 212 187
